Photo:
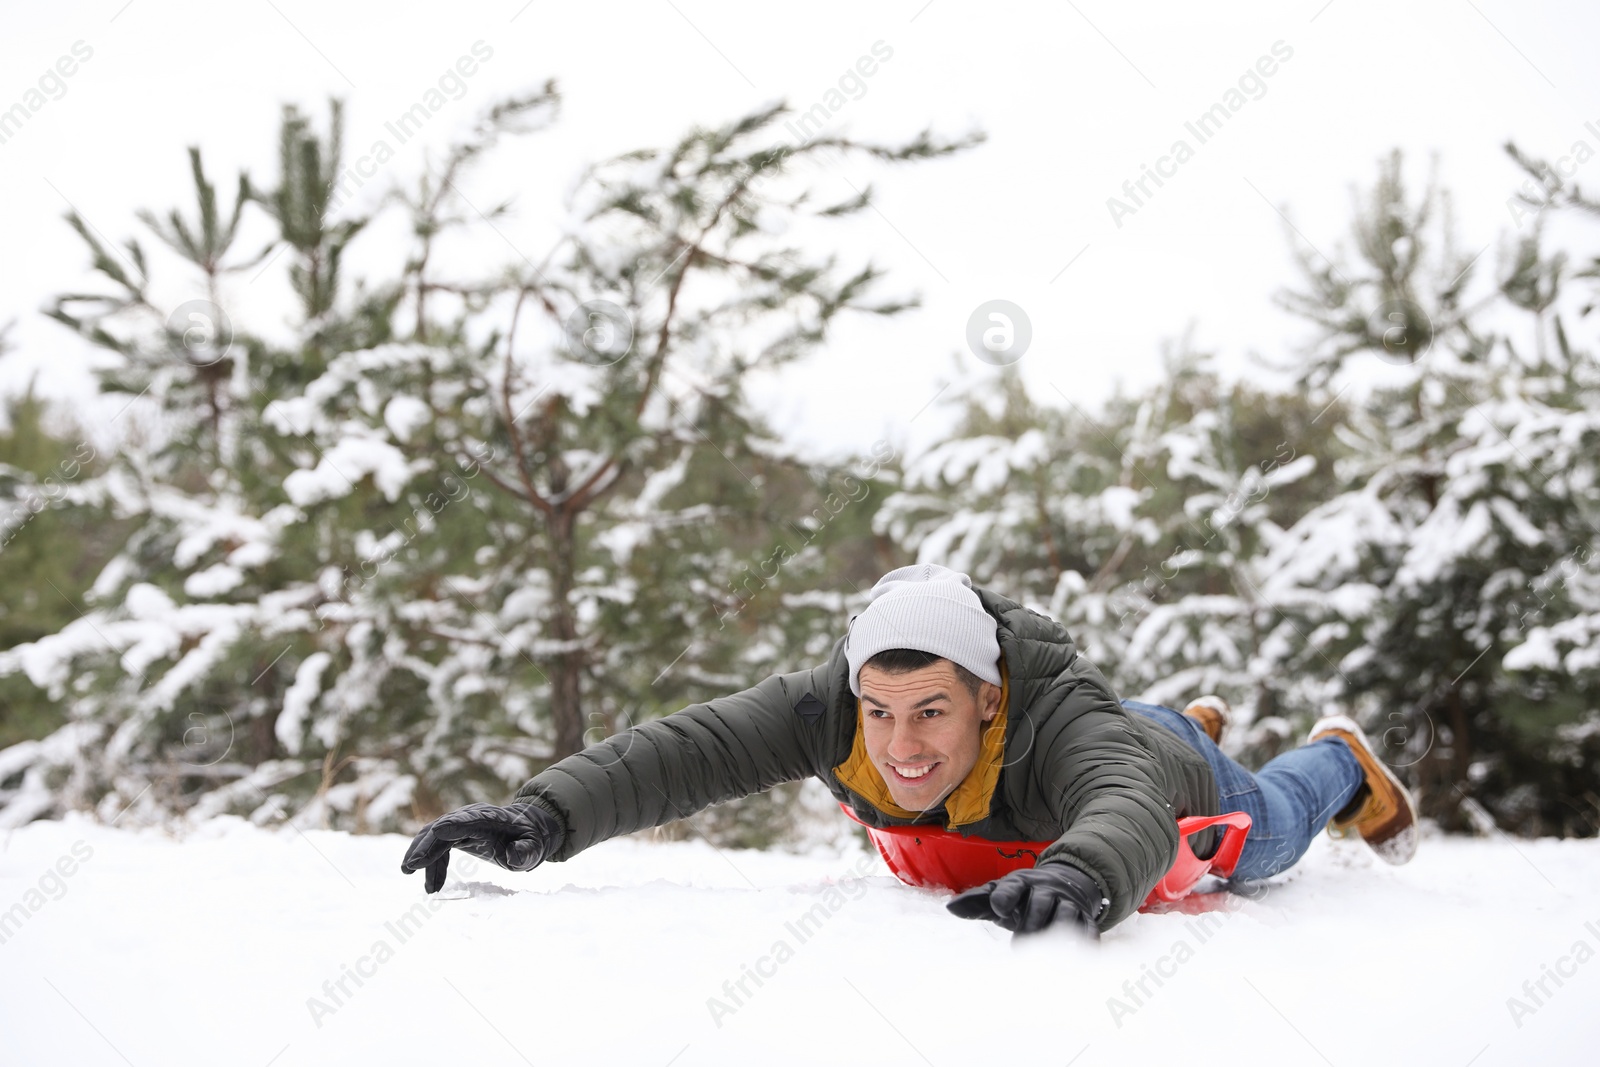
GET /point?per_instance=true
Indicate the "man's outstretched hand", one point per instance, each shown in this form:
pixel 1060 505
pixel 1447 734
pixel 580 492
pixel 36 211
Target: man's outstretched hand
pixel 1028 900
pixel 518 837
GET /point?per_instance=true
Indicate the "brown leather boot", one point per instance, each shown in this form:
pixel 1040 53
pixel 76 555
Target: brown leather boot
pixel 1212 713
pixel 1382 810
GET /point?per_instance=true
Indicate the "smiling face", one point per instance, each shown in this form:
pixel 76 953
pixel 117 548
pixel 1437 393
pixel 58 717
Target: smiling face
pixel 922 730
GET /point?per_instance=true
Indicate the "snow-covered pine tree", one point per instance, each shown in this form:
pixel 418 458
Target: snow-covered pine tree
pixel 461 524
pixel 1469 506
pixel 51 542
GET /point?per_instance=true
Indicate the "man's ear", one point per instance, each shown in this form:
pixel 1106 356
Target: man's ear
pixel 989 700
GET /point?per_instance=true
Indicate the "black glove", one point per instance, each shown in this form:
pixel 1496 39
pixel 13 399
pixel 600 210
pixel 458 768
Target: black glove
pixel 518 837
pixel 1028 900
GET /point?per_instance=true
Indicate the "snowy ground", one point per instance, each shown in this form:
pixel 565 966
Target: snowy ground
pixel 229 948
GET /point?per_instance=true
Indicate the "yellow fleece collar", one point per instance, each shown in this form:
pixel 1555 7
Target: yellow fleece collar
pixel 968 803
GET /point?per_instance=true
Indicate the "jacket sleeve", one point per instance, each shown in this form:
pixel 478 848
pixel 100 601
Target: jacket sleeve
pixel 1107 787
pixel 676 765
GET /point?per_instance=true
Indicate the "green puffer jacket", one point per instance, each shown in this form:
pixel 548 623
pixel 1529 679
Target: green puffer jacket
pixel 1107 786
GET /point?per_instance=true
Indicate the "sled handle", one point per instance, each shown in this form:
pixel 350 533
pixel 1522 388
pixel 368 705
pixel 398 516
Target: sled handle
pixel 1236 827
pixel 1187 870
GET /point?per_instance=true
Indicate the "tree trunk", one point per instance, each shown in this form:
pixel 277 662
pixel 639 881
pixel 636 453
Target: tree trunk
pixel 566 670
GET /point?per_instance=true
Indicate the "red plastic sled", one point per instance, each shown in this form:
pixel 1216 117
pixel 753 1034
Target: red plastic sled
pixel 935 858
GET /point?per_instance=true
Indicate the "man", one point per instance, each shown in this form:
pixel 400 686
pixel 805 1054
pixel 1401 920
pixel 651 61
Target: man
pixel 955 706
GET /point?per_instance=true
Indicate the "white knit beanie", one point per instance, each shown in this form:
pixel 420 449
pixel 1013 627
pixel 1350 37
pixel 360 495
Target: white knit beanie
pixel 928 608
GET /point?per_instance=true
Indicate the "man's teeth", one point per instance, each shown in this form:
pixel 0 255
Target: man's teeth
pixel 918 772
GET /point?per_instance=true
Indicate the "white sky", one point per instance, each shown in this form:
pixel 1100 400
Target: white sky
pixel 1074 98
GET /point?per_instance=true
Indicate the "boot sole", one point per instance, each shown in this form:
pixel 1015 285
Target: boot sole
pixel 1216 723
pixel 1392 837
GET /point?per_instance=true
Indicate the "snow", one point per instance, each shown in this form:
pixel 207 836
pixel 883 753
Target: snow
pixel 346 463
pixel 405 415
pixel 1117 503
pixel 1523 530
pixel 985 462
pixel 142 949
pixel 1537 651
pixel 297 700
pixel 213 581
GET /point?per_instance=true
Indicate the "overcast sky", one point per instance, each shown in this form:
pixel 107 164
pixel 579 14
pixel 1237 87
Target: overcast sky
pixel 1076 99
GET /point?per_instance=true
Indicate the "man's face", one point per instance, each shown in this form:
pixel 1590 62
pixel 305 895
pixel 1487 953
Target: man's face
pixel 922 729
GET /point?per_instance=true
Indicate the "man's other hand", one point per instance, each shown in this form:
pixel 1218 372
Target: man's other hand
pixel 518 837
pixel 1029 900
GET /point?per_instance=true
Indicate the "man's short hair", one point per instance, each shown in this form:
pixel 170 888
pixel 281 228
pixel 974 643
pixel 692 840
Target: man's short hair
pixel 906 660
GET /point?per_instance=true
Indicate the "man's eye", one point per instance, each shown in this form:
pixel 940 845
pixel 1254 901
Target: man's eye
pixel 930 712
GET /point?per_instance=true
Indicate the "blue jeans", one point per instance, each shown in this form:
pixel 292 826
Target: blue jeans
pixel 1288 801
